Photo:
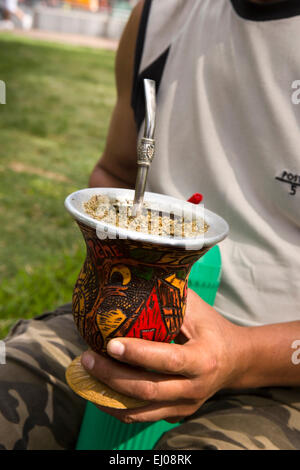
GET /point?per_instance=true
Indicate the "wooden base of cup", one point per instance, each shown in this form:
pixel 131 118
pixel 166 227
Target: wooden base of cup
pixel 82 383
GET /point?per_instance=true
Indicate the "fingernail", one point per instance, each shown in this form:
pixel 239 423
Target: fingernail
pixel 115 348
pixel 87 360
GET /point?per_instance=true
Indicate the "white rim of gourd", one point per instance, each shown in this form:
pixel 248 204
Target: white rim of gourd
pixel 218 228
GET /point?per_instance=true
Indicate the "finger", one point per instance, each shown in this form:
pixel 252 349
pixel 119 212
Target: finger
pixel 174 420
pixel 161 357
pixel 137 383
pixel 155 412
pixel 164 410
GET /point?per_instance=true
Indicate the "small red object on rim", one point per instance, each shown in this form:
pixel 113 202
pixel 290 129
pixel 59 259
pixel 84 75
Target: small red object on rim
pixel 195 198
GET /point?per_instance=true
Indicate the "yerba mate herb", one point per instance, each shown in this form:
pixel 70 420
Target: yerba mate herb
pixel 150 221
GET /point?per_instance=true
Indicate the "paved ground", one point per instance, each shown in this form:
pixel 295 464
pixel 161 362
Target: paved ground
pixel 78 40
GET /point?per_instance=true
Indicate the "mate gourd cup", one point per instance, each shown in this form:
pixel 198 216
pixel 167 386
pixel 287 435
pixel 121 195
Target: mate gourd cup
pixel 131 284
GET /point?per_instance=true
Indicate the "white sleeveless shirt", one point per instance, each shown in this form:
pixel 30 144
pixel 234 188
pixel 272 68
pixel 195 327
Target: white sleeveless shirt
pixel 227 127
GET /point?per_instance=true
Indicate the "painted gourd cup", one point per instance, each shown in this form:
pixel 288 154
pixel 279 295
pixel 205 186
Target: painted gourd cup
pixel 134 284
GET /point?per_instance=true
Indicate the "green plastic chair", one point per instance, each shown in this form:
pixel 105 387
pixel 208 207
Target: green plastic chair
pixel 100 431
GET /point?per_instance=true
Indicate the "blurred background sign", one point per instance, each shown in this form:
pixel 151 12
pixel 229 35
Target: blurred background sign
pixel 97 18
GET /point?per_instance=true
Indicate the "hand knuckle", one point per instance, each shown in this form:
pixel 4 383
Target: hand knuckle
pixel 149 390
pixel 175 362
pixel 192 391
pixel 209 365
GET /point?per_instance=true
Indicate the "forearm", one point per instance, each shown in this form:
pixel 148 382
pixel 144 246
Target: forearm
pixel 271 356
pixel 102 178
pixel 117 166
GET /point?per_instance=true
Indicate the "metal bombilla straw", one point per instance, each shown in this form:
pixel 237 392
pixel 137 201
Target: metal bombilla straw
pixel 146 147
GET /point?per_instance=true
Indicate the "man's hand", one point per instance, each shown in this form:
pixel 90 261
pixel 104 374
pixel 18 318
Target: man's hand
pixel 210 354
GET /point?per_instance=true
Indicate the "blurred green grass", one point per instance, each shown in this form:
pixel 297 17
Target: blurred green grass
pixel 52 132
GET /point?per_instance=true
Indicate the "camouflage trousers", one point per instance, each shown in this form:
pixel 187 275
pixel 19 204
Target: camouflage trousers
pixel 39 411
